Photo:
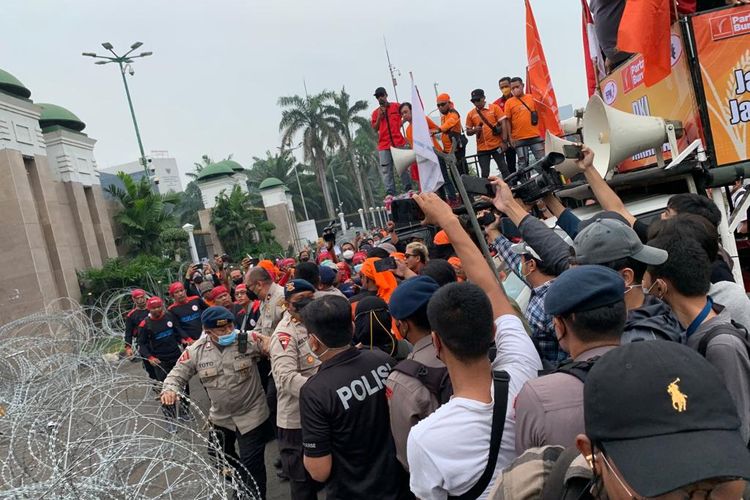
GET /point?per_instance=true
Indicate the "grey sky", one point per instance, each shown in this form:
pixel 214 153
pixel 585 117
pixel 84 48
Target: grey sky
pixel 219 66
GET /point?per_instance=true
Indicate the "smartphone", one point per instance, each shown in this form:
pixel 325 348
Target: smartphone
pixel 486 219
pixel 386 264
pixel 406 211
pixel 478 185
pixel 572 151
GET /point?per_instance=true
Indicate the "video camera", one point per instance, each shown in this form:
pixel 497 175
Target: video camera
pixel 537 180
pixel 329 232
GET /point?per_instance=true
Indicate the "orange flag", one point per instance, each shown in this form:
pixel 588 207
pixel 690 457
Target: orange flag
pixel 644 29
pixel 538 79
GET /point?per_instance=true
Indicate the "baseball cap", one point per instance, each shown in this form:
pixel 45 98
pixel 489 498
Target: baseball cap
pixel 523 248
pixel 443 98
pixel 388 247
pixel 663 416
pixel 607 240
pixel 583 288
pixel 441 238
pixel 604 214
pixel 327 275
pixel 297 286
pixel 216 316
pixel 380 91
pixel 137 293
pixel 410 295
pixel 477 94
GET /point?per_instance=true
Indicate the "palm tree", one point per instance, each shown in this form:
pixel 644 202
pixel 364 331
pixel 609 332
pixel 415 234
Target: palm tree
pixel 144 214
pixel 239 224
pixel 365 151
pixel 312 117
pixel 200 165
pixel 347 115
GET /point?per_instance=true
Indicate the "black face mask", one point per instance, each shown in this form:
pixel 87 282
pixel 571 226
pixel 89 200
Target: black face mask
pixel 251 295
pixel 198 279
pixel 304 259
pixel 302 303
pixel 237 281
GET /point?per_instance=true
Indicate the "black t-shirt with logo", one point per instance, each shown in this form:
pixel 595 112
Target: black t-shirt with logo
pixel 189 316
pixel 160 337
pixel 345 414
pixel 132 320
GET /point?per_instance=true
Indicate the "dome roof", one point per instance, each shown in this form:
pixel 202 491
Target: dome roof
pixel 271 182
pixel 53 114
pixel 12 85
pixel 215 170
pixel 232 164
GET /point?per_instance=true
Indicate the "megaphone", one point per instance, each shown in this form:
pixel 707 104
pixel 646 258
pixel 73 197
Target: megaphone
pixel 402 158
pixel 614 135
pixel 553 144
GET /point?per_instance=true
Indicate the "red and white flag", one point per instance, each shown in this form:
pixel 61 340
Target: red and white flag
pixel 539 81
pixel 430 176
pixel 592 53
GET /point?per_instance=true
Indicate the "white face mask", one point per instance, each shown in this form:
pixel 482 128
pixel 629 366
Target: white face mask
pixel 348 255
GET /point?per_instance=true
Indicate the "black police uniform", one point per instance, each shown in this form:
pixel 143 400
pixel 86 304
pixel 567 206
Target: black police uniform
pixel 344 413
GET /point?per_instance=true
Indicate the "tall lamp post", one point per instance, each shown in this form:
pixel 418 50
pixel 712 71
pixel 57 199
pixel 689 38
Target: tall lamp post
pixel 284 149
pixel 125 61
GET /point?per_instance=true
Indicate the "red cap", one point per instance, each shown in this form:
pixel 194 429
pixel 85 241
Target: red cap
pixel 216 291
pixel 137 293
pixel 154 302
pixel 240 288
pixel 441 238
pixel 175 286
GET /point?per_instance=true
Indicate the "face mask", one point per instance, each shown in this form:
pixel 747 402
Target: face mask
pixel 237 281
pixel 228 339
pixel 348 255
pixel 506 91
pixel 520 270
pixel 304 259
pixel 317 356
pixel 629 288
pixel 648 291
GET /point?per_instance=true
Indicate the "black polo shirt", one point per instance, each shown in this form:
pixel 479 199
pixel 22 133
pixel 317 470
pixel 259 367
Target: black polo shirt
pixel 345 414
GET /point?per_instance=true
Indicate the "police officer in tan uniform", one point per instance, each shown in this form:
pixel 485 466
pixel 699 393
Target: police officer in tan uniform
pixel 409 399
pixel 292 362
pixel 225 362
pixel 272 296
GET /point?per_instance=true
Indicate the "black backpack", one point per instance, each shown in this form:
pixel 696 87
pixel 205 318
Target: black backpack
pixel 577 369
pixel 735 329
pixel 436 380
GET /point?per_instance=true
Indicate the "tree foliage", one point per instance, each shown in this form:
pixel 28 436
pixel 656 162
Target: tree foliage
pixel 241 227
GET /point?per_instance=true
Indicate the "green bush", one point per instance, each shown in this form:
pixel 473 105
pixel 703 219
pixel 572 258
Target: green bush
pixel 153 274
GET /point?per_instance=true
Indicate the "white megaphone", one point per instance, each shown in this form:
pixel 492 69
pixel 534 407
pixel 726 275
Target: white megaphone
pixel 553 144
pixel 614 135
pixel 573 124
pixel 402 158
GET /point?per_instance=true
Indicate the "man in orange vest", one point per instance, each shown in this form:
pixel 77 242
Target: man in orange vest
pixel 486 122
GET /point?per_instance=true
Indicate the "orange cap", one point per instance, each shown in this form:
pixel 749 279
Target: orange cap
pixel 398 255
pixel 454 261
pixel 441 238
pixel 443 97
pixel 385 281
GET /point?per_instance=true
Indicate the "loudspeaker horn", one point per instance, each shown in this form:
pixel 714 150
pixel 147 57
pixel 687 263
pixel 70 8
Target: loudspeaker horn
pixel 402 158
pixel 553 144
pixel 614 135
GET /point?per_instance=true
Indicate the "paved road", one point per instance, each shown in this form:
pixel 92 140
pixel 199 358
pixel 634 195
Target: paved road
pixel 276 489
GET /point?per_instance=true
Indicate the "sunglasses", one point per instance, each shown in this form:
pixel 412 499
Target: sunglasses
pixel 379 95
pixel 476 99
pixel 441 104
pixel 410 255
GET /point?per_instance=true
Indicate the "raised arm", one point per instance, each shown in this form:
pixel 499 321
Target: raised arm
pixel 439 213
pixel 604 194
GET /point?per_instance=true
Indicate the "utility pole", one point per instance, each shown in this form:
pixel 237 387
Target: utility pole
pixel 435 86
pixel 392 69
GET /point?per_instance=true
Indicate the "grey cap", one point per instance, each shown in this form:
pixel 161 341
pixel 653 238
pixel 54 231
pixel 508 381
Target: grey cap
pixel 523 248
pixel 607 240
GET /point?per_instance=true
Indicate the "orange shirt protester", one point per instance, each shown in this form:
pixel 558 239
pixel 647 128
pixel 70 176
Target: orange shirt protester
pixel 486 123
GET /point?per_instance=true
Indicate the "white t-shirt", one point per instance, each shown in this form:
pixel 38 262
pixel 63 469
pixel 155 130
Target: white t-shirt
pixel 448 450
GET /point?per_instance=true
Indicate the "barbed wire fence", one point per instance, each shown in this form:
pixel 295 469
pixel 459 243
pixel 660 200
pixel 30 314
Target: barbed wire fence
pixel 73 425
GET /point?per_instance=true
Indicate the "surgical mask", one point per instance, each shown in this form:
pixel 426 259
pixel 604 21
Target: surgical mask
pixel 520 270
pixel 228 339
pixel 348 255
pixel 312 351
pixel 237 281
pixel 648 291
pixel 505 91
pixel 629 288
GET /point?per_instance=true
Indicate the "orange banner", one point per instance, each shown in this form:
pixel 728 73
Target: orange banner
pixel 722 40
pixel 672 98
pixel 539 80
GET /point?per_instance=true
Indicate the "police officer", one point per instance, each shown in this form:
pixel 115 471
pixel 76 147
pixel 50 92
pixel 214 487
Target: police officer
pixel 409 398
pixel 272 299
pixel 225 363
pixel 292 362
pixel 587 304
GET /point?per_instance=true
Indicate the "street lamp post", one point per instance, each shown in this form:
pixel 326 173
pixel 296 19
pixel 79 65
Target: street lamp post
pixel 188 228
pixel 125 61
pixel 362 218
pixel 283 150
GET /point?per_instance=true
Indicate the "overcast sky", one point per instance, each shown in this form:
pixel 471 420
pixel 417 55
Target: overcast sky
pixel 219 66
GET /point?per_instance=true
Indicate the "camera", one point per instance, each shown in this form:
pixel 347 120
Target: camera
pixel 329 232
pixel 537 180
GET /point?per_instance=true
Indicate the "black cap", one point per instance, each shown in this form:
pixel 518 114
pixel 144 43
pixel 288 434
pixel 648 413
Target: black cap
pixel 380 91
pixel 663 417
pixel 477 94
pixel 296 286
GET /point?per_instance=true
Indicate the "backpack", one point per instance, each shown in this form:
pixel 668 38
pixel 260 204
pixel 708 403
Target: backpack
pixel 555 487
pixel 577 369
pixel 735 329
pixel 436 380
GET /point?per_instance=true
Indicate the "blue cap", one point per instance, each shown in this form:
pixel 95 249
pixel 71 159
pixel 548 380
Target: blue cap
pixel 216 316
pixel 327 275
pixel 411 295
pixel 297 286
pixel 583 288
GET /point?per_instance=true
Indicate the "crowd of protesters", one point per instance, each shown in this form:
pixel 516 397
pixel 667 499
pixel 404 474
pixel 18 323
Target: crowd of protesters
pixel 397 369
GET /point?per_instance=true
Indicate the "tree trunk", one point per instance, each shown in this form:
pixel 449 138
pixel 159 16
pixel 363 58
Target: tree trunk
pixel 323 179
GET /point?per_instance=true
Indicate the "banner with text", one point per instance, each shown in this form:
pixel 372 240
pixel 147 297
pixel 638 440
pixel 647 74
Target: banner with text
pixel 722 40
pixel 673 98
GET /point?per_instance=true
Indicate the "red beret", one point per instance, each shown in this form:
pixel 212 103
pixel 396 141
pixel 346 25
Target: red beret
pixel 175 286
pixel 137 293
